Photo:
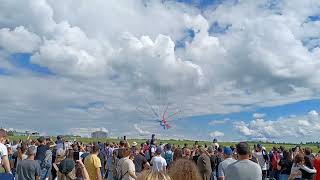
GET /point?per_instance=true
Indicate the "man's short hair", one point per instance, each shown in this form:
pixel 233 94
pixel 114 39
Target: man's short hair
pixel 95 148
pixel 243 148
pixel 122 143
pixel 308 151
pixel 41 139
pixel 3 133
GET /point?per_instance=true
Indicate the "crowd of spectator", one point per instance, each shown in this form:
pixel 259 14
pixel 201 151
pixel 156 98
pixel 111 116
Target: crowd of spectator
pixel 59 159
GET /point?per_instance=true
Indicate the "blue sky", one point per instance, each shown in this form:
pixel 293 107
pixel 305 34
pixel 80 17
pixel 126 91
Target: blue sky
pixel 270 113
pixel 220 61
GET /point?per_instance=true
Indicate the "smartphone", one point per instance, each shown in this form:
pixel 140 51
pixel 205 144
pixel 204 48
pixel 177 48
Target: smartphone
pixel 76 156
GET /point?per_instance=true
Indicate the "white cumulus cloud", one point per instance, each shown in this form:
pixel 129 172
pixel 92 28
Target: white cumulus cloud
pixel 227 58
pixel 289 128
pixel 258 115
pixel 216 134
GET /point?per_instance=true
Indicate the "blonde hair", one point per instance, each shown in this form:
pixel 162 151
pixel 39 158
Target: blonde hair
pixel 153 175
pixel 184 169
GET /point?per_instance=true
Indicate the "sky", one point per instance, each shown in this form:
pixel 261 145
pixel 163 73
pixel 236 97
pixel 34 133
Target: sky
pixel 233 69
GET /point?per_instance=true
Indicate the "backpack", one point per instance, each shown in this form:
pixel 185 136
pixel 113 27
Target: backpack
pixel 275 160
pixel 150 151
pixel 118 171
pixel 109 152
pixel 64 174
pixel 168 156
pixel 265 155
pixel 215 161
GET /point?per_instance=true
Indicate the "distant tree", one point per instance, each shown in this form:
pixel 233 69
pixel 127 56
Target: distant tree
pixel 10 133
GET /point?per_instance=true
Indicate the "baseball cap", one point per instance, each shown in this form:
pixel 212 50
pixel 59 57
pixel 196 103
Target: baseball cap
pixel 227 150
pixel 259 146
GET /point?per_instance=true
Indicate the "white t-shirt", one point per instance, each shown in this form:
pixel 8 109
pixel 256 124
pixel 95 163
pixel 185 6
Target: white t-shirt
pixel 261 161
pixel 3 151
pixel 153 149
pixel 158 163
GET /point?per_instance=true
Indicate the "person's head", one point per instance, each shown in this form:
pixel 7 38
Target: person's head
pixel 184 169
pixel 33 142
pixel 75 147
pixel 114 154
pixel 232 147
pixel 23 148
pixel 282 148
pixel 42 140
pixel 59 137
pixel 169 147
pixel 134 144
pixel 243 150
pixel 158 150
pixel 220 150
pixel 201 150
pixel 177 154
pixel 274 149
pixel 308 151
pixel 259 147
pixel 88 148
pixel 287 155
pixel 9 148
pixel 185 145
pixel 95 149
pixel 31 151
pixel 107 144
pixel 3 136
pixel 153 175
pixel 227 152
pixel 48 141
pixel 187 152
pixel 299 159
pixel 70 154
pixel 127 152
pixel 60 155
pixel 122 143
pixel 210 150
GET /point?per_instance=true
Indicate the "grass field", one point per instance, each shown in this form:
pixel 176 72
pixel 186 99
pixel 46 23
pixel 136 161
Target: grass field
pixel 268 146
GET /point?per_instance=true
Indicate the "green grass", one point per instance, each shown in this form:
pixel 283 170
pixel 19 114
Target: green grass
pixel 268 146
